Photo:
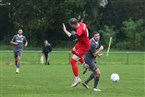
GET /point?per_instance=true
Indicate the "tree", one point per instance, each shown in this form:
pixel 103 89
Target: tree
pixel 135 34
pixel 42 19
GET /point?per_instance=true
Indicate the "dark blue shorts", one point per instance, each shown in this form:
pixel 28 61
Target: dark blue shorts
pixel 92 64
pixel 17 53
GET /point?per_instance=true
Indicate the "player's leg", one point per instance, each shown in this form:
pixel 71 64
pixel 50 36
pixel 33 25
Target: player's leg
pixel 45 57
pixel 74 60
pixel 85 84
pixel 18 60
pixel 81 52
pixel 15 56
pixel 92 75
pixel 85 66
pixel 74 52
pixel 96 79
pixel 48 59
pixel 93 67
pixel 17 63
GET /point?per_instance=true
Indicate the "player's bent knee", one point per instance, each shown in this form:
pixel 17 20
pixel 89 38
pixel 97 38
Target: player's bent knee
pixel 97 72
pixel 18 58
pixel 75 57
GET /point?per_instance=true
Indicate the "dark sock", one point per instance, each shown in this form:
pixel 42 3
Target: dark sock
pixel 18 65
pixel 90 78
pixel 96 81
pixel 48 63
pixel 46 58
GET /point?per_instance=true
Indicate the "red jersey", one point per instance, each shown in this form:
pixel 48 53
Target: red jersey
pixel 83 36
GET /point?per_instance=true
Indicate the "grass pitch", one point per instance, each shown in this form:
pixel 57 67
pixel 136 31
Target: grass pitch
pixel 37 80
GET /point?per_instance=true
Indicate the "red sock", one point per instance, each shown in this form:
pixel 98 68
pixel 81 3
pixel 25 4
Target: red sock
pixel 82 60
pixel 74 67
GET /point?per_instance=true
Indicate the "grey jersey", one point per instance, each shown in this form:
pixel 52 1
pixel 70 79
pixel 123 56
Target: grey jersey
pixel 21 40
pixel 94 46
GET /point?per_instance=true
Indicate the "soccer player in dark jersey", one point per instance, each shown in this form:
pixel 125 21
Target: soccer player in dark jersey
pixel 19 41
pixel 90 59
pixel 46 50
pixel 81 48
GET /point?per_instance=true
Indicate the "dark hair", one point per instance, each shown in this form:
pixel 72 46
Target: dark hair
pixel 95 32
pixel 20 29
pixel 73 21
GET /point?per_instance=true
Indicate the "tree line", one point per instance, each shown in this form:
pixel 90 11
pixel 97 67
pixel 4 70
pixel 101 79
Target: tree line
pixel 124 20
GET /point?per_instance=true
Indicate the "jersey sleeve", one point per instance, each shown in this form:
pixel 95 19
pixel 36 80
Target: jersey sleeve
pixel 14 38
pixel 79 31
pixel 25 40
pixel 93 48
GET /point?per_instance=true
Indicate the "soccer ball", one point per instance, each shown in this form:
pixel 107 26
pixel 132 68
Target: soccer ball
pixel 114 77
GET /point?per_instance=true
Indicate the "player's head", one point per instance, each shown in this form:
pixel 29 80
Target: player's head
pixel 20 31
pixel 96 36
pixel 73 22
pixel 45 41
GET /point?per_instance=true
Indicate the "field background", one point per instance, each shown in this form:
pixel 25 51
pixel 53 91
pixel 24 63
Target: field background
pixel 36 80
pixel 123 20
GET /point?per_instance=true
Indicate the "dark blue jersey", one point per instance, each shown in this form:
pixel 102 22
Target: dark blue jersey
pixel 94 46
pixel 21 40
pixel 46 48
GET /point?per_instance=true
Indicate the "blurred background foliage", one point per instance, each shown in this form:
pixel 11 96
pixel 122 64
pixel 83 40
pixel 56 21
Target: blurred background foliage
pixel 124 20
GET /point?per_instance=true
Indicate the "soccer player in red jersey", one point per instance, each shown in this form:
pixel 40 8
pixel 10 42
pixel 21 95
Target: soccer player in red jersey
pixel 81 48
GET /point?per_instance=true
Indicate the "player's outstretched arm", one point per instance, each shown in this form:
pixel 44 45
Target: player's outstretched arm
pixel 65 30
pixel 74 37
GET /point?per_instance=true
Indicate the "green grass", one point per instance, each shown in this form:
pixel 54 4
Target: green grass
pixel 62 48
pixel 37 80
pixel 10 47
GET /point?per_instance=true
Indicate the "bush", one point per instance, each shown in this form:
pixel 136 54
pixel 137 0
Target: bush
pixel 107 33
pixel 135 33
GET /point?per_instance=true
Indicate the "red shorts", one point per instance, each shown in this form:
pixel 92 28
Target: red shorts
pixel 80 50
